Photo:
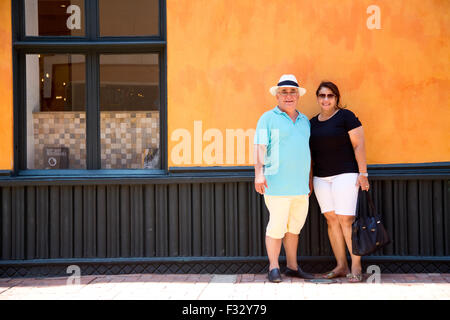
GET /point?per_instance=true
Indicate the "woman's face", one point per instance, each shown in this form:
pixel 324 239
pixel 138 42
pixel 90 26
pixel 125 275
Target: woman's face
pixel 326 99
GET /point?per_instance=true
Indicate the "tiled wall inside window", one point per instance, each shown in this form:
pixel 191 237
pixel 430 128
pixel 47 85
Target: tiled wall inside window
pixel 126 138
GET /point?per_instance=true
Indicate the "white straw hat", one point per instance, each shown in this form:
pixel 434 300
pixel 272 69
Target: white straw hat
pixel 287 80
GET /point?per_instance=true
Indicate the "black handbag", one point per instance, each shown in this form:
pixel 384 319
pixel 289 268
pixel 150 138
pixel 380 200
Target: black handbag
pixel 368 232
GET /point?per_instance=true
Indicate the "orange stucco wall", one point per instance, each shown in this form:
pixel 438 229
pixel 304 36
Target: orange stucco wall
pixel 224 55
pixel 6 100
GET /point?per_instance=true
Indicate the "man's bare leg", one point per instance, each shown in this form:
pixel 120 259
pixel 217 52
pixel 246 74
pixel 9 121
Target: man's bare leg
pixel 290 242
pixel 273 247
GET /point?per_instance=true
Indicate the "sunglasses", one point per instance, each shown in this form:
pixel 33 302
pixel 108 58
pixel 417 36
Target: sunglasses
pixel 323 96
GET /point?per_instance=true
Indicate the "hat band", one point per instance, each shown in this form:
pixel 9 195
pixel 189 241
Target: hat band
pixel 287 83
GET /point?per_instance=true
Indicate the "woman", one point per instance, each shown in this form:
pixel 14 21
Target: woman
pixel 339 168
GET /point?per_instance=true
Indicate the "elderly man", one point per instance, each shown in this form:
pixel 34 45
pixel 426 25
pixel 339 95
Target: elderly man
pixel 282 174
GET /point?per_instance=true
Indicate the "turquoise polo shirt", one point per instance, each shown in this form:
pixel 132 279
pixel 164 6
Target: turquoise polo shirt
pixel 288 159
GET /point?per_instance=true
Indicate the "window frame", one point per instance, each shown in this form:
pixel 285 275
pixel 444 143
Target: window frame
pixel 92 46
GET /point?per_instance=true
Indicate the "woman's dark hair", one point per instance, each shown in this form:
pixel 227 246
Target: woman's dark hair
pixel 330 85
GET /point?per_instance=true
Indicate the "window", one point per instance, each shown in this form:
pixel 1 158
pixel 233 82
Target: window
pixel 89 84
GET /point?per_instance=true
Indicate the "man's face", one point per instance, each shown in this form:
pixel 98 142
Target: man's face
pixel 287 97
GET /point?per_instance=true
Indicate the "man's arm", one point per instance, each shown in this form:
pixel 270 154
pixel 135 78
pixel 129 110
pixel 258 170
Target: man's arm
pixel 260 179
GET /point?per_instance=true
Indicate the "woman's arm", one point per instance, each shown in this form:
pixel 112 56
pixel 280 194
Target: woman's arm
pixel 358 142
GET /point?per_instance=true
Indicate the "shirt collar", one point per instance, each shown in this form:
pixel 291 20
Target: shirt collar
pixel 277 110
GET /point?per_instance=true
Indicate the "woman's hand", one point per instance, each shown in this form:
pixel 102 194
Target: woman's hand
pixel 260 184
pixel 363 182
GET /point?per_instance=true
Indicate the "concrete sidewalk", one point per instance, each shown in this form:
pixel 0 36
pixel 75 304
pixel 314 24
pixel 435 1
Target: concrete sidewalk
pixel 223 287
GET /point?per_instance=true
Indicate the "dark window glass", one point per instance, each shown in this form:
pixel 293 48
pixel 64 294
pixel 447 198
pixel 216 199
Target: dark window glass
pixel 129 18
pixel 129 105
pixel 56 116
pixel 54 17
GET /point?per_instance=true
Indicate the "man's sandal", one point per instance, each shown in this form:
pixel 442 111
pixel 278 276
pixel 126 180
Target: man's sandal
pixel 354 278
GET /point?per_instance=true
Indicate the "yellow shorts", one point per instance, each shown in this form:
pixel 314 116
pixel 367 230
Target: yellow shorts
pixel 286 214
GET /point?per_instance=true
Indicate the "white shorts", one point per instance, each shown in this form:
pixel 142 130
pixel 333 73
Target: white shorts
pixel 337 193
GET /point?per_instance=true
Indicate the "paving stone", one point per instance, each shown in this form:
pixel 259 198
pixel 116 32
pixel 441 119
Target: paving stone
pixel 224 287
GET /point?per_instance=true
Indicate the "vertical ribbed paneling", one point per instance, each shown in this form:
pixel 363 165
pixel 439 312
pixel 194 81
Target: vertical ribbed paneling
pixel 219 226
pixel 89 222
pixel 185 219
pixel 400 239
pixel 446 213
pixel 137 221
pixel 42 222
pixel 102 223
pixel 30 234
pixel 256 240
pixel 6 223
pixel 18 223
pixel 54 222
pixel 172 210
pixel 231 243
pixel 162 230
pixel 124 226
pixel 385 188
pixel 198 219
pixel 426 218
pixel 149 221
pixel 66 218
pixel 207 218
pixel 243 219
pixel 413 218
pixel 112 221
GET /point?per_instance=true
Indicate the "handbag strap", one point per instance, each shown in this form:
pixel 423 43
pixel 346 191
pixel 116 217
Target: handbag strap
pixel 372 211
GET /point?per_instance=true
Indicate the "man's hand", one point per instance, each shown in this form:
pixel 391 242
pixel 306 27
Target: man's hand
pixel 260 184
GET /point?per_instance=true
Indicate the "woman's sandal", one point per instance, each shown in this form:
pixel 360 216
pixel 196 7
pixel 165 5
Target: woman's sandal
pixel 354 278
pixel 332 275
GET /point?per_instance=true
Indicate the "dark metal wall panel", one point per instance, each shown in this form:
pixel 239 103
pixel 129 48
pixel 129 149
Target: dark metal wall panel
pixel 124 226
pixel 89 222
pixel 243 219
pixel 219 210
pixel 196 220
pixel 66 217
pixel 54 223
pixel 174 235
pixel 42 222
pixel 226 219
pixel 78 221
pixel 112 221
pixel 162 240
pixel 6 223
pixel 446 212
pixel 137 221
pixel 17 223
pixel 149 221
pixel 231 244
pixel 30 234
pixel 101 222
pixel 185 219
